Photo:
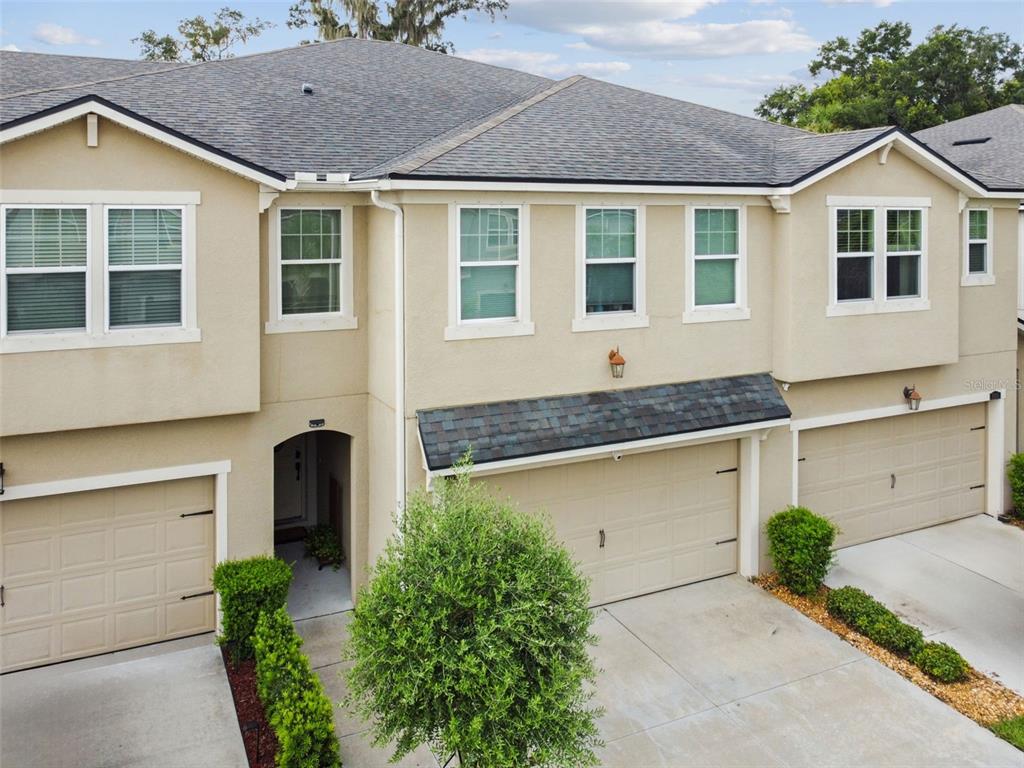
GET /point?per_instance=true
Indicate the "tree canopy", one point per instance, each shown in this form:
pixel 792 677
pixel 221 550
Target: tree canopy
pixel 414 22
pixel 201 39
pixel 881 78
pixel 472 637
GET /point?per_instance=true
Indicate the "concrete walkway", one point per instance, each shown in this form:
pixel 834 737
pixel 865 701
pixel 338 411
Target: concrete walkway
pixel 962 583
pixel 161 706
pixel 722 674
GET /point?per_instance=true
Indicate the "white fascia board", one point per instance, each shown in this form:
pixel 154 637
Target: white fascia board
pixel 833 419
pixel 605 451
pixel 542 186
pixel 75 111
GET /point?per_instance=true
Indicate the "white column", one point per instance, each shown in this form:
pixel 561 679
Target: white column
pixel 749 536
pixel 795 479
pixel 995 455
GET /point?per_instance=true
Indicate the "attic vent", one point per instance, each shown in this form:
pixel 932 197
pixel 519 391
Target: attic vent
pixel 962 142
pixel 307 87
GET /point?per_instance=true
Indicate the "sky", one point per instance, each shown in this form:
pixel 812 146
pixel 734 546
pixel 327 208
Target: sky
pixel 721 53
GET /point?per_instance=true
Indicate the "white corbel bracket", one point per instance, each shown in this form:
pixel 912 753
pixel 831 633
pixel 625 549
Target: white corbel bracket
pixel 267 196
pixel 780 203
pixel 961 201
pixel 883 153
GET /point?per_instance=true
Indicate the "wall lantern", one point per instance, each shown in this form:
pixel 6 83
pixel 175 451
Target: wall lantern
pixel 913 397
pixel 617 362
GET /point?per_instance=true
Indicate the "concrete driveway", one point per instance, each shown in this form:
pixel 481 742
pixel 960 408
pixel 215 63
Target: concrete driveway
pixel 161 706
pixel 722 674
pixel 962 583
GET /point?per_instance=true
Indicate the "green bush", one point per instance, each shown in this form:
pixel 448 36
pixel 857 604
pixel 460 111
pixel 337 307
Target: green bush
pixel 800 544
pixel 859 611
pixel 1015 473
pixel 472 637
pixel 293 697
pixel 246 588
pixel 1012 730
pixel 942 662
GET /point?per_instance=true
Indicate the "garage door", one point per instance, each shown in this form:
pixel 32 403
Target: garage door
pixel 648 522
pixel 97 571
pixel 887 476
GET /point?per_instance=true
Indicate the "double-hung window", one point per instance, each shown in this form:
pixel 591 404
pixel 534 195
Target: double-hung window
pixel 145 250
pixel 489 277
pixel 610 282
pixel 715 265
pixel 879 255
pixel 978 247
pixel 312 287
pixel 45 269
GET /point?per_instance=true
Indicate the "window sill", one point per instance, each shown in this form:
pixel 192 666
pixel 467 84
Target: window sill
pixel 609 322
pixel 487 330
pixel 716 315
pixel 877 308
pixel 307 324
pixel 138 337
pixel 978 279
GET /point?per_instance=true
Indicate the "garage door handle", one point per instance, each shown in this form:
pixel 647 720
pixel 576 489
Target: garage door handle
pixel 892 481
pixel 197 594
pixel 2 603
pixel 601 537
pixel 196 514
pixel 725 541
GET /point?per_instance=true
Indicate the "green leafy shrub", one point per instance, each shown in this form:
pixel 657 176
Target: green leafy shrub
pixel 942 662
pixel 1012 730
pixel 322 545
pixel 800 545
pixel 293 697
pixel 246 588
pixel 1015 474
pixel 472 637
pixel 860 611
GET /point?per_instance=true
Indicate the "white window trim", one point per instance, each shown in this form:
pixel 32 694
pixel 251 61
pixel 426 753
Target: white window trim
pixel 521 325
pixel 878 304
pixel 343 320
pixel 96 334
pixel 987 277
pixel 582 322
pixel 707 313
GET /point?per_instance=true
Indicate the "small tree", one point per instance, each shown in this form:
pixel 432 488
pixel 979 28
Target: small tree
pixel 202 39
pixel 472 637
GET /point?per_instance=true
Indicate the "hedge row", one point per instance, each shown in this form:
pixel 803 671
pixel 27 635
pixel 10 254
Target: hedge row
pixel 248 588
pixel 293 697
pixel 861 612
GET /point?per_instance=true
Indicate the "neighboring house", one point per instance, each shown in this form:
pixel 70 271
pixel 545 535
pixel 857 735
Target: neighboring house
pixel 246 296
pixel 990 147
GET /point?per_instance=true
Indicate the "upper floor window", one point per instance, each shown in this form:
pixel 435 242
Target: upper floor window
pixel 879 255
pixel 716 265
pixel 144 264
pixel 610 285
pixel 489 272
pixel 312 289
pixel 978 247
pixel 45 264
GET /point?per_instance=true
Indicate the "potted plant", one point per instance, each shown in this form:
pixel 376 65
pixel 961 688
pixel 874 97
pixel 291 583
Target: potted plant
pixel 322 543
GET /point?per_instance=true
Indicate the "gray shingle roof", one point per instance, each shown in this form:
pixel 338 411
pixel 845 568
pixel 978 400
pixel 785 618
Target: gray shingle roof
pixel 22 71
pixel 799 156
pixel 999 162
pixel 520 428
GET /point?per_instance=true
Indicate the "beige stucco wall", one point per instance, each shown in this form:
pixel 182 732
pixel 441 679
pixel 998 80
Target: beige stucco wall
pixel 44 391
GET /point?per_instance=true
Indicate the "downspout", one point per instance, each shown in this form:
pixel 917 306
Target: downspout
pixel 399 301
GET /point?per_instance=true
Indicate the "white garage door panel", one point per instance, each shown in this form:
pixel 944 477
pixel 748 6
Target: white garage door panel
pixel 97 571
pixel 887 476
pixel 663 515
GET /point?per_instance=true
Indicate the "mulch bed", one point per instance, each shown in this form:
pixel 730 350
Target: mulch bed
pixel 259 739
pixel 1013 518
pixel 979 697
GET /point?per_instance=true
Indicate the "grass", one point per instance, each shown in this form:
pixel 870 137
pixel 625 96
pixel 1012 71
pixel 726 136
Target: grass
pixel 1012 730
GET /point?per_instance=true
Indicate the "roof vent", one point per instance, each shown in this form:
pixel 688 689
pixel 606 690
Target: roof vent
pixel 307 87
pixel 963 142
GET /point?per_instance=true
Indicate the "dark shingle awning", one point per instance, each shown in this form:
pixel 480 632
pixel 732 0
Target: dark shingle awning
pixel 516 429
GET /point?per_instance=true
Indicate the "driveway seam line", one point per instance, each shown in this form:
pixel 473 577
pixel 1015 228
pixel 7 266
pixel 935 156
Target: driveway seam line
pixel 659 656
pixel 796 679
pixel 954 562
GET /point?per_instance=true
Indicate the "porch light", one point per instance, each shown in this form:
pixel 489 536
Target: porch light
pixel 617 362
pixel 913 397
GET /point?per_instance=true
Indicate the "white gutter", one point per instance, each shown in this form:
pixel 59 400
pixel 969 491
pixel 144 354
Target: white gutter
pixel 616 449
pixel 399 301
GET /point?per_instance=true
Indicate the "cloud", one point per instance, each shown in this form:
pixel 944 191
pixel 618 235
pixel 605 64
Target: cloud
pixel 544 63
pixel 495 36
pixel 752 83
pixel 876 3
pixel 566 16
pixel 10 47
pixel 54 34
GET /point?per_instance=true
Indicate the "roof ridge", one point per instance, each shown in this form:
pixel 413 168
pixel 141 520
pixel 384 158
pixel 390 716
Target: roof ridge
pixel 814 135
pixel 86 83
pixel 495 119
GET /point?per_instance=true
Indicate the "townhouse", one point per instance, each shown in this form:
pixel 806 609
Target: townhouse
pixel 244 297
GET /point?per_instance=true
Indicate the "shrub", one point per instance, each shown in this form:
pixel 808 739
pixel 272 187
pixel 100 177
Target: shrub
pixel 247 587
pixel 293 697
pixel 1012 730
pixel 472 637
pixel 1015 474
pixel 942 662
pixel 859 611
pixel 322 545
pixel 800 544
